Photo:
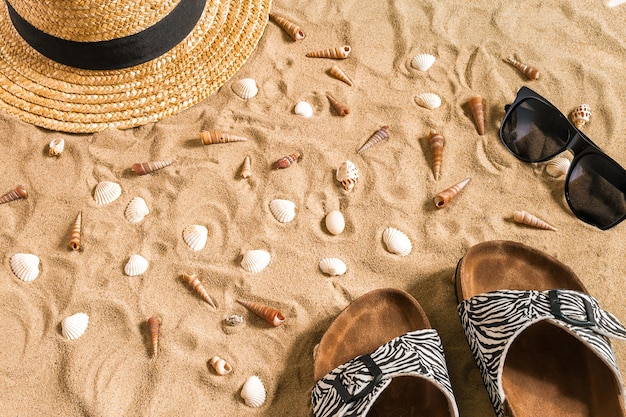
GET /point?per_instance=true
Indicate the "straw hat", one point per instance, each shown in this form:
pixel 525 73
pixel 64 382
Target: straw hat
pixel 89 65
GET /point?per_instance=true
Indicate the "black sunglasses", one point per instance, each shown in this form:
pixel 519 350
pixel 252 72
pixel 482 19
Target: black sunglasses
pixel 595 186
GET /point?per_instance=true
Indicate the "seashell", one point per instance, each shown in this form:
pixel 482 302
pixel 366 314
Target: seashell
pixel 581 115
pixel 428 100
pixel 558 167
pixel 303 109
pixel 107 192
pixel 523 217
pixel 255 260
pixel 378 136
pixel 56 147
pixel 348 175
pixel 423 62
pixel 283 210
pixel 614 3
pixel 153 328
pixel 530 72
pixel 269 314
pixel 333 266
pixel 339 108
pixel 194 282
pixel 234 320
pixel 25 266
pixel 136 210
pixel 397 242
pixel 287 161
pixel 340 52
pixel 292 29
pixel 195 236
pixel 335 223
pixel 340 75
pixel 144 168
pixel 437 143
pixel 245 88
pixel 246 168
pixel 477 109
pixel 136 265
pixel 16 194
pixel 211 137
pixel 444 197
pixel 220 366
pixel 75 235
pixel 74 326
pixel 253 392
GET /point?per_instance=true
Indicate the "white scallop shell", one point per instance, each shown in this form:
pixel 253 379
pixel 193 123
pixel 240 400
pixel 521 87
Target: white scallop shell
pixel 558 167
pixel 195 236
pixel 423 62
pixel 136 210
pixel 397 242
pixel 73 327
pixel 107 192
pixel 245 88
pixel 136 265
pixel 56 147
pixel 428 100
pixel 335 223
pixel 283 210
pixel 255 260
pixel 333 266
pixel 253 392
pixel 347 174
pixel 25 266
pixel 303 109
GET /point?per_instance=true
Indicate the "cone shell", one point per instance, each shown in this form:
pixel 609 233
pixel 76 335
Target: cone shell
pixel 333 266
pixel 339 108
pixel 73 327
pixel 245 88
pixel 107 192
pixel 287 161
pixel 220 366
pixel 283 210
pixel 153 328
pixel 378 136
pixel 211 137
pixel 557 167
pixel 136 210
pixel 523 217
pixel 56 147
pixel 477 109
pixel 74 242
pixel 269 314
pixel 444 197
pixel 25 266
pixel 195 236
pixel 335 223
pixel 136 265
pixel 397 242
pixel 341 52
pixel 530 72
pixel 16 194
pixel 581 115
pixel 292 29
pixel 347 175
pixel 246 168
pixel 255 261
pixel 194 282
pixel 340 75
pixel 144 168
pixel 253 392
pixel 436 142
pixel 423 62
pixel 428 100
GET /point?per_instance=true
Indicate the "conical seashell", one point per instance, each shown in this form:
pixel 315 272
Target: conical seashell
pixel 304 109
pixel 25 266
pixel 255 260
pixel 195 236
pixel 287 161
pixel 211 137
pixel 378 136
pixel 339 108
pixel 56 147
pixel 220 366
pixel 136 265
pixel 333 266
pixel 335 223
pixel 530 72
pixel 423 62
pixel 194 282
pixel 107 192
pixel 477 109
pixel 283 210
pixel 245 88
pixel 16 194
pixel 75 235
pixel 269 314
pixel 557 167
pixel 340 75
pixel 436 142
pixel 347 175
pixel 136 210
pixel 428 100
pixel 246 168
pixel 442 199
pixel 581 115
pixel 292 29
pixel 234 320
pixel 253 392
pixel 74 326
pixel 341 52
pixel 143 168
pixel 523 217
pixel 153 328
pixel 397 242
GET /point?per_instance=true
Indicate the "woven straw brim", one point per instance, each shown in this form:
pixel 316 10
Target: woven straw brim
pixel 57 97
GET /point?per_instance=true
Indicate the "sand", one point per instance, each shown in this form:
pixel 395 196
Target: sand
pixel 579 48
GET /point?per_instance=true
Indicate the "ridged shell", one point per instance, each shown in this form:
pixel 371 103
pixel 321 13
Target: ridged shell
pixel 378 136
pixel 581 115
pixel 340 75
pixel 245 88
pixel 444 197
pixel 283 210
pixel 478 113
pixel 153 329
pixel 340 52
pixel 15 194
pixel 436 142
pixel 523 217
pixel 335 222
pixel 220 366
pixel 333 266
pixel 303 109
pixel 56 147
pixel 271 315
pixel 253 392
pixel 428 100
pixel 292 29
pixel 255 260
pixel 397 242
pixel 144 168
pixel 75 235
pixel 107 192
pixel 74 326
pixel 195 236
pixel 136 265
pixel 194 282
pixel 530 72
pixel 287 161
pixel 423 62
pixel 558 167
pixel 136 210
pixel 340 108
pixel 25 266
pixel 246 168
pixel 347 175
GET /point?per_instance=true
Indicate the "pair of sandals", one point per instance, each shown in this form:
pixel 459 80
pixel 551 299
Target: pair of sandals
pixel 541 345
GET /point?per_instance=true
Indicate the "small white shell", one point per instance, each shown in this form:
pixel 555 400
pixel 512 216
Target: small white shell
pixel 423 62
pixel 348 175
pixel 335 223
pixel 245 88
pixel 25 266
pixel 283 210
pixel 333 266
pixel 107 192
pixel 136 210
pixel 73 327
pixel 397 242
pixel 558 167
pixel 195 236
pixel 220 366
pixel 56 147
pixel 253 392
pixel 136 265
pixel 255 260
pixel 303 109
pixel 428 100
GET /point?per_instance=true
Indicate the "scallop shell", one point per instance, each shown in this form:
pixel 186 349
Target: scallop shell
pixel 253 392
pixel 303 109
pixel 335 223
pixel 423 62
pixel 428 100
pixel 136 210
pixel 283 210
pixel 56 147
pixel 557 167
pixel 153 328
pixel 255 260
pixel 25 266
pixel 107 192
pixel 73 327
pixel 397 242
pixel 347 175
pixel 333 266
pixel 136 265
pixel 245 88
pixel 195 236
pixel 220 366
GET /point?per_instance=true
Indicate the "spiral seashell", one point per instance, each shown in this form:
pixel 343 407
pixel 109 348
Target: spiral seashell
pixel 269 314
pixel 246 168
pixel 335 223
pixel 255 260
pixel 333 266
pixel 287 161
pixel 436 142
pixel 283 210
pixel 144 168
pixel 581 115
pixel 195 236
pixel 75 235
pixel 339 108
pixel 444 197
pixel 523 217
pixel 136 210
pixel 340 75
pixel 292 29
pixel 136 265
pixel 428 100
pixel 348 175
pixel 397 242
pixel 530 72
pixel 234 320
pixel 107 192
pixel 303 109
pixel 25 266
pixel 253 392
pixel 477 109
pixel 153 328
pixel 245 88
pixel 423 62
pixel 74 326
pixel 220 366
pixel 194 282
pixel 557 167
pixel 16 194
pixel 56 147
pixel 211 137
pixel 378 136
pixel 341 52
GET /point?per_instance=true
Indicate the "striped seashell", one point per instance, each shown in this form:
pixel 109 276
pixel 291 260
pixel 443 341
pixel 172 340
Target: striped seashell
pixel 436 142
pixel 195 236
pixel 340 75
pixel 56 147
pixel 136 265
pixel 136 210
pixel 530 72
pixel 211 137
pixel 428 100
pixel 194 282
pixel 220 366
pixel 255 260
pixel 333 266
pixel 478 113
pixel 397 242
pixel 348 175
pixel 303 109
pixel 153 328
pixel 246 168
pixel 74 326
pixel 523 217
pixel 253 392
pixel 339 108
pixel 16 194
pixel 423 62
pixel 269 314
pixel 283 210
pixel 444 197
pixel 335 223
pixel 581 115
pixel 378 136
pixel 341 52
pixel 557 167
pixel 107 192
pixel 144 168
pixel 292 29
pixel 287 161
pixel 74 242
pixel 25 266
pixel 245 88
